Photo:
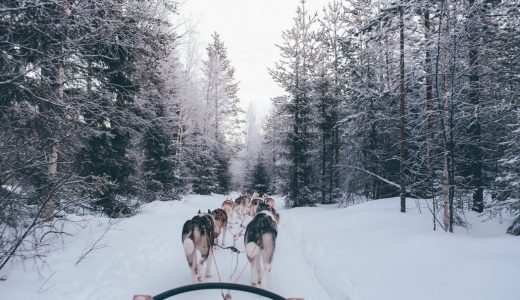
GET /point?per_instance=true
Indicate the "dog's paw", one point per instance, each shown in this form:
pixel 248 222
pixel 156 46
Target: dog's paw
pixel 209 275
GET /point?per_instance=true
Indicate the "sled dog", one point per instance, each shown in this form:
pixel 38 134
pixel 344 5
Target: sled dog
pixel 229 206
pixel 269 201
pixel 260 241
pixel 254 205
pixel 242 205
pixel 221 222
pixel 198 234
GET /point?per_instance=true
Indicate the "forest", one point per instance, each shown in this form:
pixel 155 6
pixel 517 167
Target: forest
pixel 413 99
pixel 99 114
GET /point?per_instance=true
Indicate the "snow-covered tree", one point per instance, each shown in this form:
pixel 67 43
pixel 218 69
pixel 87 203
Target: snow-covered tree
pixel 222 115
pixel 294 72
pixel 74 80
pixel 331 79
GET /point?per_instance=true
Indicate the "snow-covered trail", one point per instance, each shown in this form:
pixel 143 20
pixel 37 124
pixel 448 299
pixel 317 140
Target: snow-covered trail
pixel 369 251
pixel 144 255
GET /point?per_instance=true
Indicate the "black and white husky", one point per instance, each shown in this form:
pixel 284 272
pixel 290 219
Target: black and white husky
pixel 198 234
pixel 260 241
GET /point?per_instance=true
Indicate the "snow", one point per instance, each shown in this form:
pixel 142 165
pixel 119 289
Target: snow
pixel 367 251
pixel 12 189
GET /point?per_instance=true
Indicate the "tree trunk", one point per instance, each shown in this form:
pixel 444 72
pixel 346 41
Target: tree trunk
pixel 401 113
pixel 474 99
pixel 452 110
pixel 323 167
pixel 387 63
pixel 216 107
pixel 447 131
pixel 429 109
pixel 52 167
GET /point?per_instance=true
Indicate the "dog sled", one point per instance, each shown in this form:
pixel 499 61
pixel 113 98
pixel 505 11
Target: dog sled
pixel 214 286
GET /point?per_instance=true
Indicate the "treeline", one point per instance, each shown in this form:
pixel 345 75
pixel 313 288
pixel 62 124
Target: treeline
pixel 412 98
pixel 98 114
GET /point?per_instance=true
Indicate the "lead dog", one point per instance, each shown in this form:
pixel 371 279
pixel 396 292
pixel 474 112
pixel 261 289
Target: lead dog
pixel 221 222
pixel 198 234
pixel 229 206
pixel 260 242
pixel 242 205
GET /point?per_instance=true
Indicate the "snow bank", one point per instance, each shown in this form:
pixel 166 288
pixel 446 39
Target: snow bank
pixel 372 251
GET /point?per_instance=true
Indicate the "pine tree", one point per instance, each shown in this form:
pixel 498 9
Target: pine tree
pixel 502 37
pixel 274 149
pixel 474 91
pixel 202 164
pixel 160 139
pixel 159 158
pixel 222 113
pixel 221 120
pixel 222 174
pixel 371 108
pixel 329 86
pixel 260 180
pixel 127 68
pixel 294 74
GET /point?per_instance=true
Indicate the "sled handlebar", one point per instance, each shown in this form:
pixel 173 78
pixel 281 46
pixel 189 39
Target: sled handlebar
pixel 214 286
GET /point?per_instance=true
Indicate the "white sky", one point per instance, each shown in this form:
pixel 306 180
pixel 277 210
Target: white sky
pixel 250 30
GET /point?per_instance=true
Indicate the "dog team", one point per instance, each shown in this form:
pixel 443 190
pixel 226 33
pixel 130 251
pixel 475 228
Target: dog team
pixel 203 231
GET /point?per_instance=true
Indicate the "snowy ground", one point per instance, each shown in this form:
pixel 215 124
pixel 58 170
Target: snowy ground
pixel 367 251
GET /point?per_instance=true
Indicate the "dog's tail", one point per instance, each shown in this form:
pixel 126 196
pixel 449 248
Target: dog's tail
pixel 252 249
pixel 269 243
pixel 189 246
pixel 193 235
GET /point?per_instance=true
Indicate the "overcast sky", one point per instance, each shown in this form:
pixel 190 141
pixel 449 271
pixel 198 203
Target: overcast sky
pixel 250 30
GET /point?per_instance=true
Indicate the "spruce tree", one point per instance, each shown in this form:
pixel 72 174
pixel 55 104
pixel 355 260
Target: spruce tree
pixel 221 121
pixel 294 74
pixel 202 164
pixel 260 180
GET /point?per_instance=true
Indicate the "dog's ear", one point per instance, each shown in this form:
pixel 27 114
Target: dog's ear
pixel 199 212
pixel 209 211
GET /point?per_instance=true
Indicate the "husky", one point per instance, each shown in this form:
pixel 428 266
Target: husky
pixel 198 234
pixel 269 201
pixel 221 222
pixel 229 206
pixel 242 205
pixel 260 241
pixel 254 205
